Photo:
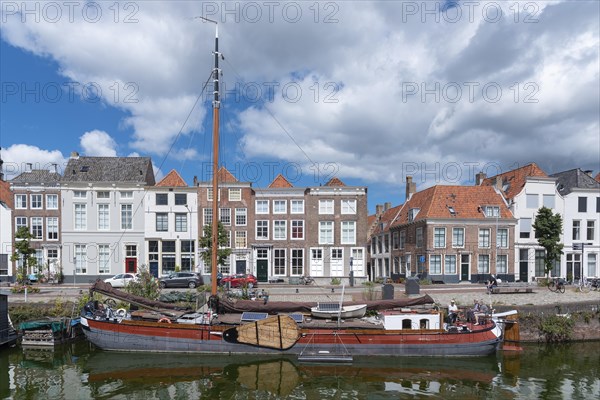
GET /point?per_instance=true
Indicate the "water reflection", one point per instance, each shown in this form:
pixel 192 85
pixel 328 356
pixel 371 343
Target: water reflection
pixel 79 371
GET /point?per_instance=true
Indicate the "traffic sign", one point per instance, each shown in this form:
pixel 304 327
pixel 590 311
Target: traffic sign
pixel 577 246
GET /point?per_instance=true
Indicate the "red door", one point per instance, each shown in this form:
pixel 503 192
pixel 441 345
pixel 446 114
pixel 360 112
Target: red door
pixel 131 265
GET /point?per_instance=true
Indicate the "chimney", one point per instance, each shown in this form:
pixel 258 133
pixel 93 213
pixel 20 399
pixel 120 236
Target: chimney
pixel 411 187
pixel 55 165
pixel 74 155
pixel 195 180
pixel 28 167
pixel 589 172
pixel 387 206
pixel 479 178
pixel 1 170
pixel 498 183
pixel 378 209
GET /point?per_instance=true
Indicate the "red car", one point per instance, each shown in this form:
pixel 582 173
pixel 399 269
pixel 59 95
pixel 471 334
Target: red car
pixel 240 280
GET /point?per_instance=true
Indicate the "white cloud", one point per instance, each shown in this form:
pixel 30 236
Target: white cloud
pixel 17 157
pixel 98 143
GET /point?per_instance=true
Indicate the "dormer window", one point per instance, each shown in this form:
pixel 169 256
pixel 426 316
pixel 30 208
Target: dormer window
pixel 491 211
pixel 412 213
pixel 452 211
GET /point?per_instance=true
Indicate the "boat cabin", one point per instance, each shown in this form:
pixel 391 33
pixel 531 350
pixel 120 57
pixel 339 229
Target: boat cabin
pixel 412 321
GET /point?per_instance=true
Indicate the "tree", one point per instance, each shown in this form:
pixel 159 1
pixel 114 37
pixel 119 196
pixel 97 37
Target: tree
pixel 145 286
pixel 222 240
pixel 548 228
pixel 23 251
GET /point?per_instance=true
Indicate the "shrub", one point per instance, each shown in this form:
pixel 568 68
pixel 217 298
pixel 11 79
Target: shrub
pixel 336 281
pixel 147 285
pixel 557 328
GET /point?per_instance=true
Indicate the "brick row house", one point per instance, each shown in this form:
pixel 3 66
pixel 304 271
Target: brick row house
pixel 6 228
pixel 37 205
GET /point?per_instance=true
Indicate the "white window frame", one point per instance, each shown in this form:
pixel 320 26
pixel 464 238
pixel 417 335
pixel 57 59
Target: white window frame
pixel 348 206
pixel 501 263
pixel 235 194
pixel 484 238
pixel 225 216
pixel 241 216
pixel 449 265
pixel 326 230
pixel 261 207
pixel 297 262
pixel 51 202
pixel 37 201
pixel 279 261
pixel 296 206
pixel 51 228
pixel 316 261
pixel 264 224
pixel 37 228
pixel 456 244
pixel 502 238
pixel 279 206
pixel 103 259
pixel 21 201
pixel 103 216
pixel 483 264
pixel 300 224
pixel 336 261
pixel 80 223
pixel 241 239
pixel 181 222
pixel 126 195
pixel 279 229
pixel 126 216
pixel 103 194
pixel 348 232
pixel 207 216
pixel 79 194
pixel 326 206
pixel 435 268
pixel 80 259
pixel 439 244
pixel 21 222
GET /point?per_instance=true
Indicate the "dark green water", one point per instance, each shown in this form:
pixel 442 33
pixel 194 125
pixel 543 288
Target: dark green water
pixel 78 371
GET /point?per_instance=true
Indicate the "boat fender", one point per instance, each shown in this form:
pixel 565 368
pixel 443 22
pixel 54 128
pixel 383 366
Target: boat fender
pixel 167 320
pixel 121 312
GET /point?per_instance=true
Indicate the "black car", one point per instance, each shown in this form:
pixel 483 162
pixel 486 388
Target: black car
pixel 181 279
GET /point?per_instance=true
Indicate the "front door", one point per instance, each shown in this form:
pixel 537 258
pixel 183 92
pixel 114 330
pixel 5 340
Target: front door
pixel 524 265
pixel 464 267
pixel 262 270
pixel 154 268
pixel 240 266
pixel 131 265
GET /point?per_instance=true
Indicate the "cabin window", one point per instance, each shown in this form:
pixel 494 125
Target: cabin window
pixel 406 324
pixel 424 324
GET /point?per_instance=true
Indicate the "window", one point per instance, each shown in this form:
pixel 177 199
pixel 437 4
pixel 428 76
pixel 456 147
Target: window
pixel 209 194
pixel 412 214
pixel 492 211
pixel 103 259
pixel 225 216
pixel 297 261
pixel 187 255
pixel 126 216
pixel 325 206
pixel 168 256
pixel 36 201
pixel 297 229
pixel 235 194
pixel 279 261
pixel 79 194
pixel 348 232
pixel 540 267
pixel 262 206
pixel 20 222
pixel 37 227
pixel 20 201
pixel 484 238
pixel 502 238
pixel 435 264
pixel 297 206
pixel 52 254
pixel 131 250
pixel 103 217
pixel 458 237
pixel 80 259
pixel 240 240
pixel 591 264
pixel 240 216
pixel 127 195
pixel 502 264
pixel 208 217
pixel 590 229
pixel 325 232
pixel 279 206
pixel 262 230
pixel 395 243
pixel 348 206
pixel 52 228
pixel 419 237
pixel 51 202
pixel 162 222
pixel 548 200
pixel 402 239
pixel 532 201
pixel 181 199
pixel 582 204
pixel 598 204
pixel 181 222
pixel 525 228
pixel 450 264
pixel 103 195
pixel 279 230
pixel 336 262
pixel 576 230
pixel 162 199
pixel 483 264
pixel 439 238
pixel 80 217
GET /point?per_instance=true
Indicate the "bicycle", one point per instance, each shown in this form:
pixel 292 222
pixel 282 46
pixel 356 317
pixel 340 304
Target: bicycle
pixel 584 285
pixel 556 285
pixel 307 280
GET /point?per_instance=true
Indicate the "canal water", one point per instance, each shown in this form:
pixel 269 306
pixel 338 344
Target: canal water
pixel 79 371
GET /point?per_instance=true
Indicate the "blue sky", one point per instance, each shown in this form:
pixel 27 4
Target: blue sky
pixel 369 92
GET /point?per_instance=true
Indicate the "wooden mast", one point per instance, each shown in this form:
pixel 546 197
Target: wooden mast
pixel 215 166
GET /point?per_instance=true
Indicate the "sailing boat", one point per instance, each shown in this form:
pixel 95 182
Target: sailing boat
pixel 277 328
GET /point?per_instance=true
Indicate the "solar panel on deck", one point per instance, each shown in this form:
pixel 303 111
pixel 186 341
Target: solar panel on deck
pixel 253 316
pixel 328 306
pixel 297 317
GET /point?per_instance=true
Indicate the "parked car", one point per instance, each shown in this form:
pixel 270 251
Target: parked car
pixel 181 279
pixel 240 280
pixel 121 280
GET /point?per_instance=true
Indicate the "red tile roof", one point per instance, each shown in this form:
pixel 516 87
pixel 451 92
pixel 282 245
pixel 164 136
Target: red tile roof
pixel 6 195
pixel 280 182
pixel 597 178
pixel 438 201
pixel 513 181
pixel 225 176
pixel 335 182
pixel 172 179
pixel 387 219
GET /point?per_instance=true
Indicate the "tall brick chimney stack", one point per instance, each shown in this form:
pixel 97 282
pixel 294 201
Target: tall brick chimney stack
pixel 411 187
pixel 479 178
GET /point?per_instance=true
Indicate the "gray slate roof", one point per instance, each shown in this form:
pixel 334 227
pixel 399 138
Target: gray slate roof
pixel 110 169
pixel 37 176
pixel 574 179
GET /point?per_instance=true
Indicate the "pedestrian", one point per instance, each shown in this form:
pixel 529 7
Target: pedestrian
pixel 493 282
pixel 452 312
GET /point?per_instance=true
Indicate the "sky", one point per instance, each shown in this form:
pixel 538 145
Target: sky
pixel 370 92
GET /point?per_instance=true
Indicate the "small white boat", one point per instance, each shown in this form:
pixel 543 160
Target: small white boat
pixel 333 310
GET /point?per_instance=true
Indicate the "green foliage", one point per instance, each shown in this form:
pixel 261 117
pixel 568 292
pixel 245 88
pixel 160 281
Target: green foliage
pixel 222 241
pixel 336 281
pixel 557 328
pixel 24 251
pixel 146 286
pixel 18 288
pixel 548 228
pixel 369 292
